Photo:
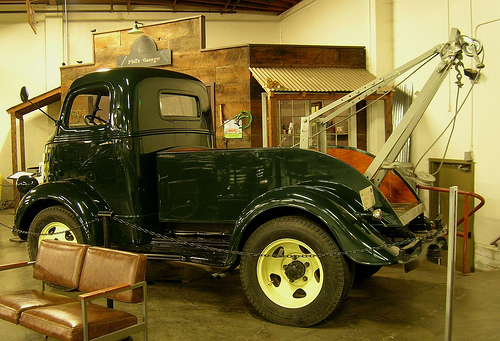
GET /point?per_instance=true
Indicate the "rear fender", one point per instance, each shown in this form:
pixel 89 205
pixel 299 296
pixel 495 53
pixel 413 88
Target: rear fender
pixel 77 197
pixel 350 231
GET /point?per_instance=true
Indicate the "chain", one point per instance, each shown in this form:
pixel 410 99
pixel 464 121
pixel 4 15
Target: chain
pixel 8 205
pixel 83 226
pixel 428 236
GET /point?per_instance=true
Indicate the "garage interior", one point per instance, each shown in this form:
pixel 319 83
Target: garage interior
pixel 279 61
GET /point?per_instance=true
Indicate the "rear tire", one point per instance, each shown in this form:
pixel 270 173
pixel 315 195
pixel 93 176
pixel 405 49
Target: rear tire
pixel 300 290
pixel 56 223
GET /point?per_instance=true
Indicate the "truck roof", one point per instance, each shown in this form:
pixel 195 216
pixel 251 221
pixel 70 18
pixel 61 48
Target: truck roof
pixel 128 76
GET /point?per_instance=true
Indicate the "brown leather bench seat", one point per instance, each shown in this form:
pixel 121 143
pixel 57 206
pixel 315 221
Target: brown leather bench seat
pixel 64 322
pixel 97 272
pixel 12 304
pixel 58 263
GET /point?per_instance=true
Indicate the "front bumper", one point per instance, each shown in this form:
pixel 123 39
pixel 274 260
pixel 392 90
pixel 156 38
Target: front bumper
pixel 424 247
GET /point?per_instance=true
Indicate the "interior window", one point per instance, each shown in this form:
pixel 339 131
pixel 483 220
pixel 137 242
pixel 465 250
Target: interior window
pixel 178 105
pixel 290 113
pixel 90 108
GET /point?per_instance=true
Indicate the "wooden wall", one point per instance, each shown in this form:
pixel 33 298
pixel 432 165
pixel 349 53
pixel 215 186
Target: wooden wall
pixel 225 68
pixel 310 56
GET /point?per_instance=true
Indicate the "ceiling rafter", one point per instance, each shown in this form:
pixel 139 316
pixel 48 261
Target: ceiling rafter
pixel 222 6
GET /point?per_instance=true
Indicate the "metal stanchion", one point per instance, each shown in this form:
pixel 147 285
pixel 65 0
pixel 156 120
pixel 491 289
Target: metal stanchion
pixel 450 277
pixel 106 216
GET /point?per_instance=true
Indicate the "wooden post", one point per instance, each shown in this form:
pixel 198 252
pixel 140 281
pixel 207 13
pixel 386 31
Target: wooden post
pixel 388 115
pixel 13 142
pixel 21 142
pixel 272 121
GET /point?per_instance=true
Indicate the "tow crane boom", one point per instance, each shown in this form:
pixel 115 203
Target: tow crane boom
pixel 451 54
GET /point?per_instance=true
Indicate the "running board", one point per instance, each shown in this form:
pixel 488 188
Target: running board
pixel 210 253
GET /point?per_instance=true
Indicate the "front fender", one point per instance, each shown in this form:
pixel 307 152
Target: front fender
pixel 77 197
pixel 351 232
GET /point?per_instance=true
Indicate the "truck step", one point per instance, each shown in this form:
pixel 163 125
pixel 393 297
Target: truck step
pixel 195 252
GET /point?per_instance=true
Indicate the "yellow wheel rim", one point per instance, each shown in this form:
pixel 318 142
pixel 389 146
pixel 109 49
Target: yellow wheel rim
pixel 293 281
pixel 57 231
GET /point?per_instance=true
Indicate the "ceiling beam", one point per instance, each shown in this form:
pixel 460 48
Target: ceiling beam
pixel 225 6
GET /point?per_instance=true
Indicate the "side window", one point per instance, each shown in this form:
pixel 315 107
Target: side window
pixel 90 108
pixel 178 105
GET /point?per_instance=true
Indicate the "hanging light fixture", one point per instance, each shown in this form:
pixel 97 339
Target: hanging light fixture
pixel 135 28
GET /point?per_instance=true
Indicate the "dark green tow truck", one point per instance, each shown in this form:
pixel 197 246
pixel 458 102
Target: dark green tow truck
pixel 138 142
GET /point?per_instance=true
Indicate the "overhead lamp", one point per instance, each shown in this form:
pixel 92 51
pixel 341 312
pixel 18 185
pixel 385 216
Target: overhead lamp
pixel 135 28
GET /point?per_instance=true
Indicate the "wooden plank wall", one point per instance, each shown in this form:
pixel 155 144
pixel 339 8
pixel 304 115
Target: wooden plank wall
pixel 227 68
pixel 310 56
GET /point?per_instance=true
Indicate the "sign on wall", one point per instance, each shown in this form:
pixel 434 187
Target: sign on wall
pixel 31 15
pixel 144 52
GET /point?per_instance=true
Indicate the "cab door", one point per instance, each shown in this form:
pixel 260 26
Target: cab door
pixel 83 147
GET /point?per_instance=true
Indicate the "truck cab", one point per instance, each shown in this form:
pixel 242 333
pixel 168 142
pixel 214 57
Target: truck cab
pixel 112 125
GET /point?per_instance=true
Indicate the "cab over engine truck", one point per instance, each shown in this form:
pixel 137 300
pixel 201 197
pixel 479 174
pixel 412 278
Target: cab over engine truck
pixel 300 224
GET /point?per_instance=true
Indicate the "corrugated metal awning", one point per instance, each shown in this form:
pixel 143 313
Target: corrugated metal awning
pixel 311 79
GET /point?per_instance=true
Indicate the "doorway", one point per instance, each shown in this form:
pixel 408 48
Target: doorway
pixel 454 173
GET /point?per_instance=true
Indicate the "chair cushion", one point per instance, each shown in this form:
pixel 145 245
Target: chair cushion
pixel 107 268
pixel 59 263
pixel 64 322
pixel 12 304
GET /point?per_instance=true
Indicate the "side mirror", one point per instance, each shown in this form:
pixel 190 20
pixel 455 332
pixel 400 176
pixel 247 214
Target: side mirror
pixel 24 94
pixel 25 97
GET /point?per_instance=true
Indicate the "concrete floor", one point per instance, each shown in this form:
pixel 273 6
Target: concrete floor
pixel 184 304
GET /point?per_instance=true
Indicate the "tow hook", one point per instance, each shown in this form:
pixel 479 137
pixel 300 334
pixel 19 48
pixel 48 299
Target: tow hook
pixel 442 242
pixel 434 250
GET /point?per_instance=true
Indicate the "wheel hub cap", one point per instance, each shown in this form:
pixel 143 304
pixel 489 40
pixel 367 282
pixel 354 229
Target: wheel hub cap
pixel 294 270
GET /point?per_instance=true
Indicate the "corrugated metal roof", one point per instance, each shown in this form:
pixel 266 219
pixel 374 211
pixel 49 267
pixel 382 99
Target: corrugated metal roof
pixel 311 79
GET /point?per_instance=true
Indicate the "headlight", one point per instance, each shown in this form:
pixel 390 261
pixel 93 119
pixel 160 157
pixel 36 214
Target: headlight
pixel 377 214
pixel 25 183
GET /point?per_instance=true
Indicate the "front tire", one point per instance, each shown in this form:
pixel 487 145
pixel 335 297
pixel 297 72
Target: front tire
pixel 299 289
pixel 56 223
